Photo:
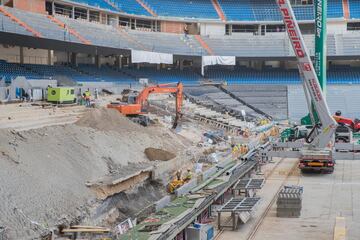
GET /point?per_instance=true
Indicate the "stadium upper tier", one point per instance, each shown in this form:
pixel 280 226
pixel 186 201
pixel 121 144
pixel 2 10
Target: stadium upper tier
pixel 243 45
pixel 239 75
pixel 234 10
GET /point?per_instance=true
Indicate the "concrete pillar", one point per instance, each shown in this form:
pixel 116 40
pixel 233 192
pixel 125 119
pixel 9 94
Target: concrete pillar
pixel 73 12
pixel 259 30
pixel 53 7
pixel 68 58
pixel 74 59
pixel 51 57
pixel 181 65
pixel 21 55
pixel 88 14
pixel 158 66
pixel 118 62
pixel 138 66
pixel 98 61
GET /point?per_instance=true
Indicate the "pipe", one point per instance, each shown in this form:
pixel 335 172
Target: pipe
pixel 231 170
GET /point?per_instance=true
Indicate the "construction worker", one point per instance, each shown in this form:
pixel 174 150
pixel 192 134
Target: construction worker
pixel 188 175
pixel 178 175
pixel 87 97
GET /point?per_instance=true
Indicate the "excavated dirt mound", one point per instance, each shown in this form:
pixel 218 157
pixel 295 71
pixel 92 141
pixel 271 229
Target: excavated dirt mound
pixel 154 154
pixel 43 172
pixel 107 119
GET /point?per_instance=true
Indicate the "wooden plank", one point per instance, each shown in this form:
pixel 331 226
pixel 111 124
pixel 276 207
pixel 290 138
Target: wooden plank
pixel 86 230
pixel 340 229
pixel 87 227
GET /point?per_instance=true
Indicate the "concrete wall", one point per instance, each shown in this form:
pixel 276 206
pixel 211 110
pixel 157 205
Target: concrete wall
pixel 10 53
pixel 337 27
pixel 212 29
pixel 31 55
pixel 37 6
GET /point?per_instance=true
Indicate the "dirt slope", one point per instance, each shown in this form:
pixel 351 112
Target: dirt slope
pixel 43 171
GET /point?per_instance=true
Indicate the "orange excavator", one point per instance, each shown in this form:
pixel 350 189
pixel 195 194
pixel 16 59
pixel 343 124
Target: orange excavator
pixel 138 107
pixel 353 124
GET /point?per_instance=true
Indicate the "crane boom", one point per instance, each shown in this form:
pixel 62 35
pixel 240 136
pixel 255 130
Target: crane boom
pixel 325 130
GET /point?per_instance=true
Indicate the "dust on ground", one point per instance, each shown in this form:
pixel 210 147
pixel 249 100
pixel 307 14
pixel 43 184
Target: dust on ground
pixel 43 171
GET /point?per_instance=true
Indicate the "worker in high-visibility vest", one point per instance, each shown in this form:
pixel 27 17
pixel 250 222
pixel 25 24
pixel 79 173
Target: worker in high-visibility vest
pixel 188 175
pixel 87 98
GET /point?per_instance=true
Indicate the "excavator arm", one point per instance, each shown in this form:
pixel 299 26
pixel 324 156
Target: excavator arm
pixel 323 132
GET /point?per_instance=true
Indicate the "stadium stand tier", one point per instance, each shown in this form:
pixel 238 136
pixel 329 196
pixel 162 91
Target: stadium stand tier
pixel 354 7
pixel 108 36
pixel 240 75
pixel 244 10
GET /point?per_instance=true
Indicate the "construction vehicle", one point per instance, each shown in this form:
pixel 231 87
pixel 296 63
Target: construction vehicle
pixel 137 105
pixel 353 124
pixel 315 152
pixel 295 133
pixel 343 134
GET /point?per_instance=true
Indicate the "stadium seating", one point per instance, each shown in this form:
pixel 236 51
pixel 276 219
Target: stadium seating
pixel 6 25
pixel 354 6
pixel 240 75
pixel 245 45
pixel 184 8
pixel 244 10
pixel 105 74
pixel 9 71
pixel 337 75
pixel 61 70
pixel 128 6
pixel 267 10
pixel 104 35
pixel 131 6
pixel 97 3
pixel 43 25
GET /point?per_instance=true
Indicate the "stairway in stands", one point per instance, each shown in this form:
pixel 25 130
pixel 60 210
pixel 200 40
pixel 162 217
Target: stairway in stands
pixel 193 44
pixel 21 23
pixel 113 5
pixel 219 10
pixel 204 44
pixel 71 31
pixel 147 7
pixel 346 9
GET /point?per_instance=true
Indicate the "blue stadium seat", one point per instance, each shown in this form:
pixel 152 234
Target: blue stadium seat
pixel 354 6
pixel 184 8
pixel 267 10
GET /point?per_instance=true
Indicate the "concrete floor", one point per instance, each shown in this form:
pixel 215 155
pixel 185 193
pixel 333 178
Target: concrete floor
pixel 325 197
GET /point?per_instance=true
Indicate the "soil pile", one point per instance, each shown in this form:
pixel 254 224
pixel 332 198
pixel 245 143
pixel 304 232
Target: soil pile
pixel 43 171
pixel 154 154
pixel 107 119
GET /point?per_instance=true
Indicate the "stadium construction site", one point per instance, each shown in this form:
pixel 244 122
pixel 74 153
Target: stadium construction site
pixel 91 173
pixel 97 144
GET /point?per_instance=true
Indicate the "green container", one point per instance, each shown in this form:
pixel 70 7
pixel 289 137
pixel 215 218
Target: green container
pixel 61 95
